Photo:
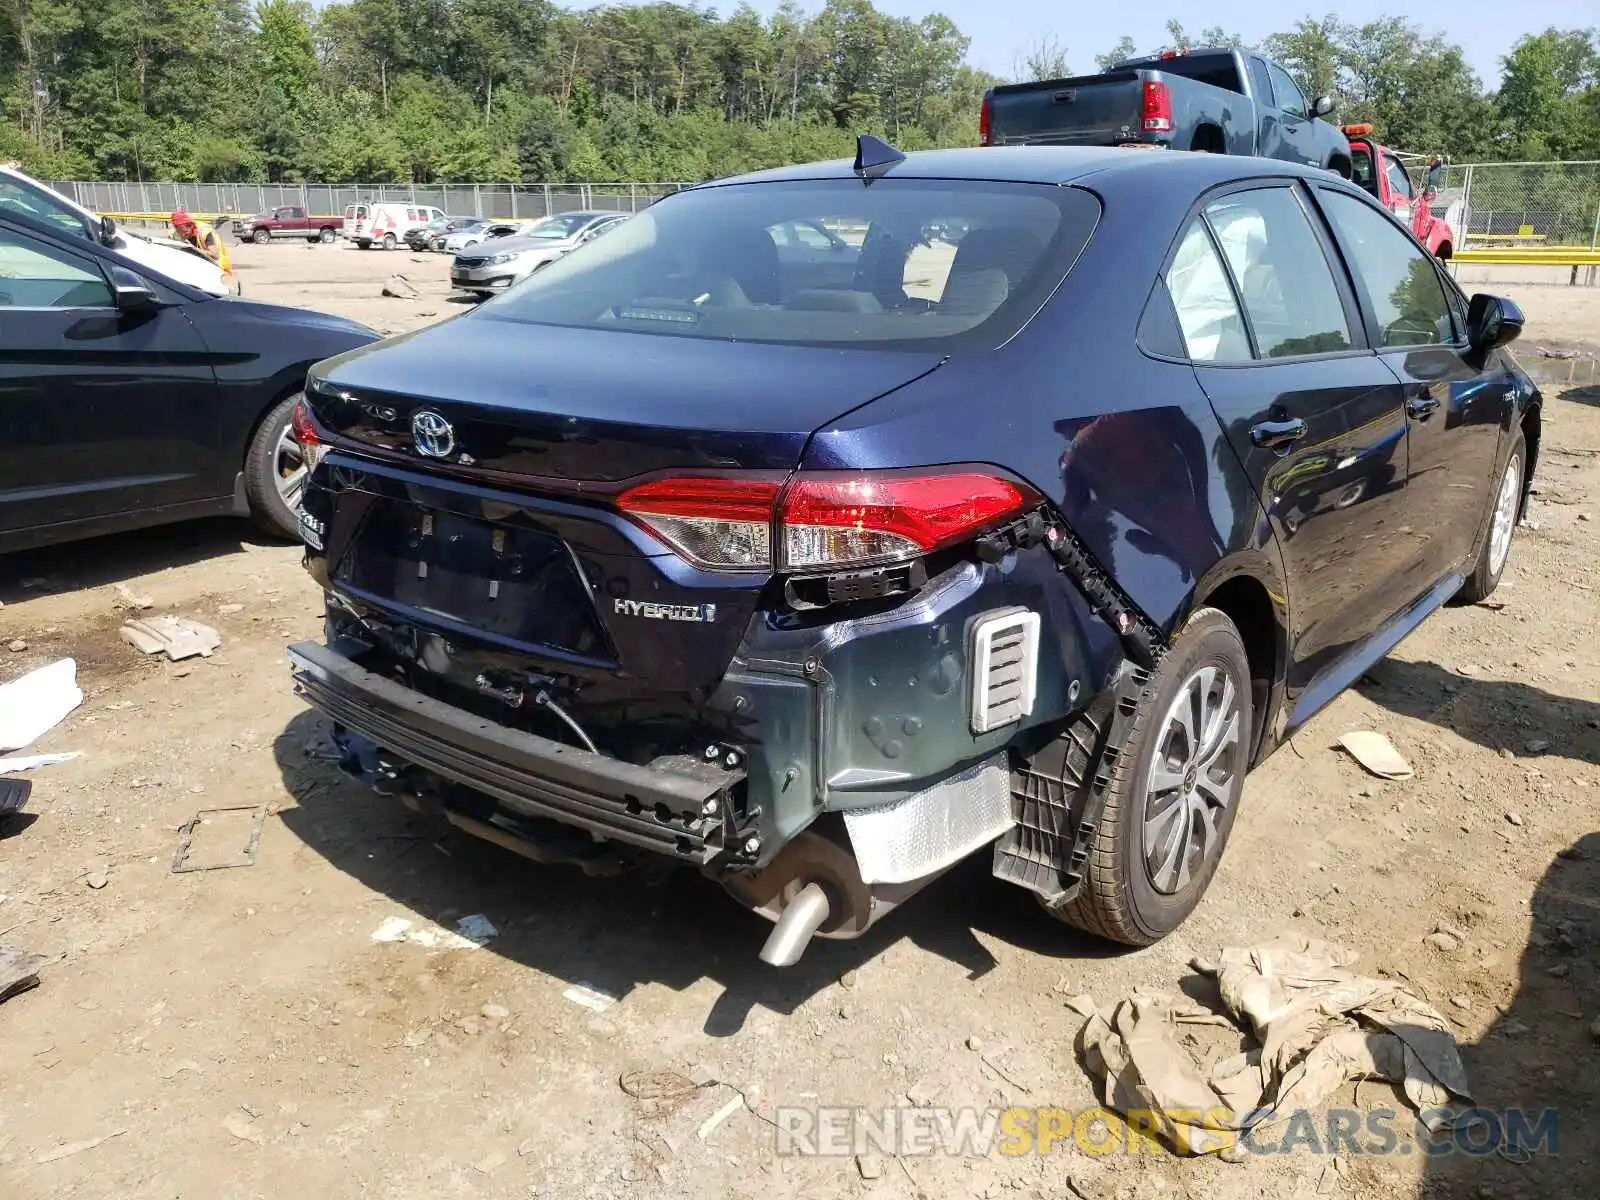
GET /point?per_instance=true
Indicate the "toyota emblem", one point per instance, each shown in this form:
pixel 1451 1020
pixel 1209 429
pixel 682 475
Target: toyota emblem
pixel 434 436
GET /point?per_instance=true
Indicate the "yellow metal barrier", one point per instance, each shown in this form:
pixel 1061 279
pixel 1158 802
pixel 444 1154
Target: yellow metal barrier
pixel 1542 256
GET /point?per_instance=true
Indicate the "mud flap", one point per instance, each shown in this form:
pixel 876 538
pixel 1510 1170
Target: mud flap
pixel 1047 849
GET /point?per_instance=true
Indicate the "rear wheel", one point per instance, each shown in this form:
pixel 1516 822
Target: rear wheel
pixel 1496 549
pixel 364 243
pixel 1174 791
pixel 388 241
pixel 325 237
pixel 262 237
pixel 275 473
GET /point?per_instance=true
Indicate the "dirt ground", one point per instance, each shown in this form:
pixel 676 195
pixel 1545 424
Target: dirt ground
pixel 239 1033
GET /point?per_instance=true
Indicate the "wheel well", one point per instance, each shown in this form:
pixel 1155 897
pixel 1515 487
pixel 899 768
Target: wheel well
pixel 1208 138
pixel 1340 166
pixel 1531 423
pixel 1246 603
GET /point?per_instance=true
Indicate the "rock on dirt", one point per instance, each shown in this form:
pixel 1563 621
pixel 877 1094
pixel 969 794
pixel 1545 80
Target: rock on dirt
pixel 16 646
pixel 399 288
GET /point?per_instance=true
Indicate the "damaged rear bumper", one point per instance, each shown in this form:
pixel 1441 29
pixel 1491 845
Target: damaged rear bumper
pixel 678 807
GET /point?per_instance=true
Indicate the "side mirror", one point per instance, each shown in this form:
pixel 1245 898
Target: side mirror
pixel 1322 106
pixel 1492 321
pixel 132 295
pixel 108 232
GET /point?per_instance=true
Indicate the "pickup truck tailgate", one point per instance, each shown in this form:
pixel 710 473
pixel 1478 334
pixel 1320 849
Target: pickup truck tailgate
pixel 1095 110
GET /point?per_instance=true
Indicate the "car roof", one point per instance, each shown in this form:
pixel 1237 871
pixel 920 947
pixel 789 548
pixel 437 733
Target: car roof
pixel 1046 164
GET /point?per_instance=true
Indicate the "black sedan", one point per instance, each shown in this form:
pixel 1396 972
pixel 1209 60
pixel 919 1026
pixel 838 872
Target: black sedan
pixel 424 237
pixel 777 536
pixel 129 399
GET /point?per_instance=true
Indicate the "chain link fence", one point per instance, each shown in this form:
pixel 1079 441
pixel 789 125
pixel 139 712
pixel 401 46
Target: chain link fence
pixel 1532 205
pixel 503 200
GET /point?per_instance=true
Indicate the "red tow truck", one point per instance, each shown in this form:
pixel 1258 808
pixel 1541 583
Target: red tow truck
pixel 1379 170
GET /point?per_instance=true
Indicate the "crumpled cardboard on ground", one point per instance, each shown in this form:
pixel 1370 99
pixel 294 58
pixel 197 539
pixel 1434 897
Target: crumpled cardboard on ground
pixel 1317 1025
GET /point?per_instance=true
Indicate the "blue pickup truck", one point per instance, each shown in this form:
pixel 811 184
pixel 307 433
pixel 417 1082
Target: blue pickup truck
pixel 1221 101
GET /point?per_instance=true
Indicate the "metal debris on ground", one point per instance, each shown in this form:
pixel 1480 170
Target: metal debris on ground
pixel 19 971
pixel 1377 754
pixel 233 857
pixel 177 637
pixel 13 795
pixel 1318 1026
pixel 399 288
pixel 477 928
pixel 33 704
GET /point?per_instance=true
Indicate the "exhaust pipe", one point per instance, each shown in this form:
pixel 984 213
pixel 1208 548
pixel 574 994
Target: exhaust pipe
pixel 813 888
pixel 801 919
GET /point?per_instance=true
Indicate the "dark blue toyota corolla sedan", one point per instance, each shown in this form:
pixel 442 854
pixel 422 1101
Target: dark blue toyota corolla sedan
pixel 821 527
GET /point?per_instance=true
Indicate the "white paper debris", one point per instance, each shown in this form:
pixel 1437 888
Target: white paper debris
pixel 1377 754
pixel 28 762
pixel 431 937
pixel 590 997
pixel 36 703
pixel 709 1125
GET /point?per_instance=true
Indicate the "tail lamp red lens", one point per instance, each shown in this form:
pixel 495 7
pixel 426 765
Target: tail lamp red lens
pixel 1155 109
pixel 303 428
pixel 986 119
pixel 821 521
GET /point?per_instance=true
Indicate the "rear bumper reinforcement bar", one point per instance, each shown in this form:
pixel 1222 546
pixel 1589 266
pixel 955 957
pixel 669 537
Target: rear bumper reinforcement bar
pixel 687 814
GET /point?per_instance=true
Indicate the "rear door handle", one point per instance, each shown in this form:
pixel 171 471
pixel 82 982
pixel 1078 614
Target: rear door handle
pixel 1275 435
pixel 1422 405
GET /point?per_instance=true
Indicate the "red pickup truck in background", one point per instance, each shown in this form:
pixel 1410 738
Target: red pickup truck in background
pixel 1377 169
pixel 289 221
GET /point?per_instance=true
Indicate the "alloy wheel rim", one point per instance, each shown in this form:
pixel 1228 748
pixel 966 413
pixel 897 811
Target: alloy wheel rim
pixel 1198 759
pixel 1505 515
pixel 289 468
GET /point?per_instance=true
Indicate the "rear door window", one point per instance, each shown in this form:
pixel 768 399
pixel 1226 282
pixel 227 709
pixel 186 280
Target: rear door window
pixel 1208 313
pixel 904 264
pixel 1283 275
pixel 1260 80
pixel 1396 276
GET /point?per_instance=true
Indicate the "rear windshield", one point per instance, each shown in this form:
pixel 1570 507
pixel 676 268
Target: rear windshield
pixel 902 264
pixel 1219 70
pixel 559 227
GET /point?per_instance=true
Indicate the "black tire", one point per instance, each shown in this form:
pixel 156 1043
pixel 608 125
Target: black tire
pixel 1486 572
pixel 364 243
pixel 268 510
pixel 1119 899
pixel 388 241
pixel 326 237
pixel 261 237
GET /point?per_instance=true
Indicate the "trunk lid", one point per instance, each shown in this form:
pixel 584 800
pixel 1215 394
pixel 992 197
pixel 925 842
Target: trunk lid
pixel 572 408
pixel 1091 110
pixel 503 566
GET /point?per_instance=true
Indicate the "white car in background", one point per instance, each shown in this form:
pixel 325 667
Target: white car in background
pixel 20 193
pixel 497 265
pixel 482 231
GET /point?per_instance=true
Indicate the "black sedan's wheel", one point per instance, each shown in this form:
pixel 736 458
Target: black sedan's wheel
pixel 1496 551
pixel 1174 791
pixel 262 237
pixel 275 473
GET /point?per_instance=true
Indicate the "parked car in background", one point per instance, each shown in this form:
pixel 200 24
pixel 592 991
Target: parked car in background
pixel 496 267
pixel 29 198
pixel 130 398
pixel 286 221
pixel 1379 171
pixel 474 232
pixel 1221 101
pixel 818 581
pixel 431 236
pixel 386 224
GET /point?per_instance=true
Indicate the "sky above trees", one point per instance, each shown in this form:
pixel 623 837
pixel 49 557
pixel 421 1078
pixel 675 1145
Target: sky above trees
pixel 429 90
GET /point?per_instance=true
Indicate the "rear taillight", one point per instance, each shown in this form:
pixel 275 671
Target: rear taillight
pixel 1155 109
pixel 303 428
pixel 821 521
pixel 985 119
pixel 722 523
